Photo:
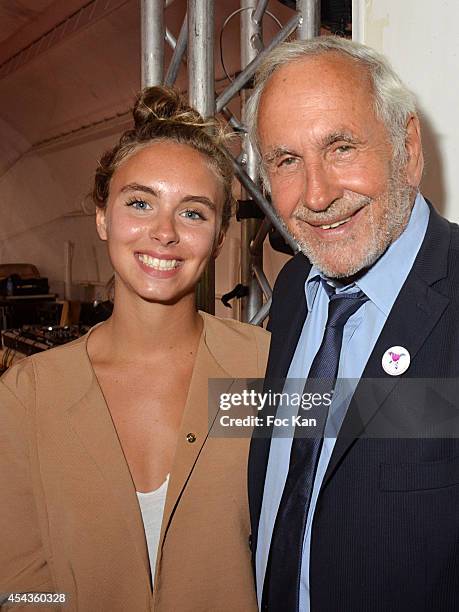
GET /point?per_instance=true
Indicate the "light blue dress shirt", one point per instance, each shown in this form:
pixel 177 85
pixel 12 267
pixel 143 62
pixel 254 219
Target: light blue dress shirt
pixel 382 284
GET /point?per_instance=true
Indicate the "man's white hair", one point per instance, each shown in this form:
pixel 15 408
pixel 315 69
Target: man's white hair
pixel 394 103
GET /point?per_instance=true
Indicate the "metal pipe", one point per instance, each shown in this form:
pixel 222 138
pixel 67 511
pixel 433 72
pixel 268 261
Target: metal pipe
pixel 170 39
pixel 233 121
pixel 261 314
pixel 201 77
pixel 310 23
pixel 263 281
pixel 251 40
pixel 257 15
pixel 152 26
pixel 257 242
pixel 201 72
pixel 249 71
pixel 178 55
pixel 263 203
pixel 240 159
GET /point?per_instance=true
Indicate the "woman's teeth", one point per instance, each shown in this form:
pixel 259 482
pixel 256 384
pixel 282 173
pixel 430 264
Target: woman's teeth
pixel 337 224
pixel 158 264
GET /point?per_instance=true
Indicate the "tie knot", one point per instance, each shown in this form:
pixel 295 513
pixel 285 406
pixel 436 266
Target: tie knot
pixel 342 306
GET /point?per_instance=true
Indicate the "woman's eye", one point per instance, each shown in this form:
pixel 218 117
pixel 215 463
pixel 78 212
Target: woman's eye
pixel 192 214
pixel 139 204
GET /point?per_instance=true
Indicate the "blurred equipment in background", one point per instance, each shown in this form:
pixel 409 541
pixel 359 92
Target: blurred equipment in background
pixel 22 292
pixel 14 285
pixel 22 279
pixel 24 270
pixel 31 318
pixel 32 339
pixel 95 312
pixel 57 313
pixel 56 323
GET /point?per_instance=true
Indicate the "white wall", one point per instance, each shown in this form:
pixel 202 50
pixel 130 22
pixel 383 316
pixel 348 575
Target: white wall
pixel 420 38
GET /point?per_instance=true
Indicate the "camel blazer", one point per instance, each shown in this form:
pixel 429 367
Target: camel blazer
pixel 69 518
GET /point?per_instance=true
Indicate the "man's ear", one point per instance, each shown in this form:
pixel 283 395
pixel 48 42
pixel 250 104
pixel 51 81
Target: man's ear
pixel 101 223
pixel 218 244
pixel 414 156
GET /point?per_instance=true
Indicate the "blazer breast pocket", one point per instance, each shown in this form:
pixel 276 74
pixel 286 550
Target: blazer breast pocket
pixel 419 476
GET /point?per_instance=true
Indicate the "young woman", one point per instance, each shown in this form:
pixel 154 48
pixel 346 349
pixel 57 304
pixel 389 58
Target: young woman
pixel 115 494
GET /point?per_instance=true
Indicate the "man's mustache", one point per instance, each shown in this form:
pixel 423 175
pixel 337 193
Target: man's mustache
pixel 338 210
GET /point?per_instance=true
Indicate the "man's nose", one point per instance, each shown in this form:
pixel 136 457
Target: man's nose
pixel 321 187
pixel 163 229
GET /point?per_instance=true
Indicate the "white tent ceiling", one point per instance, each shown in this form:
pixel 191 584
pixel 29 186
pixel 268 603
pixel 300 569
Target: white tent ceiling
pixel 87 70
pixel 15 14
pixel 68 74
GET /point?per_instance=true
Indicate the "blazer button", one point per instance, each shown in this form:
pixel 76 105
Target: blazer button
pixel 191 438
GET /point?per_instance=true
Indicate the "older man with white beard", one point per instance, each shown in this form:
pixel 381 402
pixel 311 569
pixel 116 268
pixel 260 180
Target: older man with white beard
pixel 354 519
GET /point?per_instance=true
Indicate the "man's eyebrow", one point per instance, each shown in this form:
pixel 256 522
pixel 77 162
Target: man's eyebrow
pixel 276 152
pixel 339 136
pixel 138 187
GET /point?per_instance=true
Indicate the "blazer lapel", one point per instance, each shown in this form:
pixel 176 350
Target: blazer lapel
pixel 283 346
pixel 198 417
pixel 286 323
pixel 411 320
pixel 91 420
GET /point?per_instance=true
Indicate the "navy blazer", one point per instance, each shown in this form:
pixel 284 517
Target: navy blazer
pixel 385 534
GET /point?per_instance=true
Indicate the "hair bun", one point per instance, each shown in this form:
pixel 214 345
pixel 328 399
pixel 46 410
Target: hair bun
pixel 161 104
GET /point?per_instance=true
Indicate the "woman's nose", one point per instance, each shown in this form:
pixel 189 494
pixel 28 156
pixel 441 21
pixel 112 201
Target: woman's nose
pixel 163 229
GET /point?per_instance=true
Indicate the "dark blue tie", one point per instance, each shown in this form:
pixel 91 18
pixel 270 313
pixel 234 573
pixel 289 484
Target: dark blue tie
pixel 282 579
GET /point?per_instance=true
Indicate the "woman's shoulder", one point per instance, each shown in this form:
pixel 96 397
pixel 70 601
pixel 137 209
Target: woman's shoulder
pixel 236 329
pixel 49 367
pixel 248 344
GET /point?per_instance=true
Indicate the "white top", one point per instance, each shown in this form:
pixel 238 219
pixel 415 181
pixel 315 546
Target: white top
pixel 152 508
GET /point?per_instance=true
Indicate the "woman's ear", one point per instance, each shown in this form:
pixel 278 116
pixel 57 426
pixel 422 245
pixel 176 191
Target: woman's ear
pixel 101 223
pixel 218 244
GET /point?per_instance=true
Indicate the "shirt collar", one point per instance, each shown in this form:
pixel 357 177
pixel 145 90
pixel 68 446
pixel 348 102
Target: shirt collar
pixel 383 281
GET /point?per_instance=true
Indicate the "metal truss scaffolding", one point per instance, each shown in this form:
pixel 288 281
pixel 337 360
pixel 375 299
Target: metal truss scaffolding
pixel 197 39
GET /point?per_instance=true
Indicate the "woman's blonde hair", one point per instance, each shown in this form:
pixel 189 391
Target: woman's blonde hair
pixel 160 114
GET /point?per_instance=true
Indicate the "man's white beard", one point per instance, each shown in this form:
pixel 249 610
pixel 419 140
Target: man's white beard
pixel 399 201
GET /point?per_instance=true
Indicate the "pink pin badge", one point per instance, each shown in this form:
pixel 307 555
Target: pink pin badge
pixel 396 360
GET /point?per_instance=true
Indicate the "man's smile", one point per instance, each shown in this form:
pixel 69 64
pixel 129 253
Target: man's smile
pixel 333 225
pixel 337 227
